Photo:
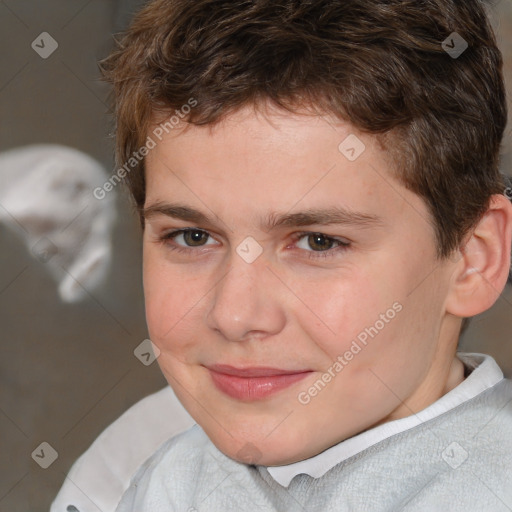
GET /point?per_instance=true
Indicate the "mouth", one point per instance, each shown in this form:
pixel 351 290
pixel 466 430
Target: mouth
pixel 254 383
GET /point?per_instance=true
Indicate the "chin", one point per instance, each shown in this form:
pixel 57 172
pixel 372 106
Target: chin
pixel 256 449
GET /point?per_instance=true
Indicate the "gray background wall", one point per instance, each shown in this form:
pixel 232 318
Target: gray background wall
pixel 68 370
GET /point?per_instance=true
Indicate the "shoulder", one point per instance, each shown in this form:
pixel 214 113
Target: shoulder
pixel 486 397
pixel 481 424
pixel 493 406
pixel 478 447
pixel 470 454
pixel 119 451
pixel 491 422
pixel 176 472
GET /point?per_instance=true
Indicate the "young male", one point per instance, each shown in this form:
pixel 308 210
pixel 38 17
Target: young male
pixel 319 189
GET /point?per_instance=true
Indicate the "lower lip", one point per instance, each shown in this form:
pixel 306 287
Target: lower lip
pixel 254 388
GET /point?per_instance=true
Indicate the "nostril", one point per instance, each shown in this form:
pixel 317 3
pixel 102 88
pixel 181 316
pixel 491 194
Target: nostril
pixel 72 508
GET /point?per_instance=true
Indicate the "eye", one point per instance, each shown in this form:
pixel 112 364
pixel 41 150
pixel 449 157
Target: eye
pixel 316 245
pixel 192 237
pixel 323 246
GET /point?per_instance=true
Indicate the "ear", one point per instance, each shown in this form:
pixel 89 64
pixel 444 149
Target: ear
pixel 481 273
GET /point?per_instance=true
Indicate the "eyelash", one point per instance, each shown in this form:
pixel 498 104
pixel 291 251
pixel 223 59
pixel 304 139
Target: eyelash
pixel 167 238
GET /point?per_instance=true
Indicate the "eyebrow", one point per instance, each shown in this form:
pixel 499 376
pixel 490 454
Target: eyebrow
pixel 311 216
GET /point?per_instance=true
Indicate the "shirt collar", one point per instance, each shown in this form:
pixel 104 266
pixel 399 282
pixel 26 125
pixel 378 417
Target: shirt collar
pixel 485 374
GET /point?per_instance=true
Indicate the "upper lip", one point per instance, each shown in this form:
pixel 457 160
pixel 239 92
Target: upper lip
pixel 255 371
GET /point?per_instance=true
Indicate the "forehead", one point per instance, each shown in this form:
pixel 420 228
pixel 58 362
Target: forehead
pixel 251 164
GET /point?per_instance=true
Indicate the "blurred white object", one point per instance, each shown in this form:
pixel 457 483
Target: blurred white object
pixel 98 479
pixel 46 197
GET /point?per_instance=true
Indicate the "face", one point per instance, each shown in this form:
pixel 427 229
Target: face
pixel 291 284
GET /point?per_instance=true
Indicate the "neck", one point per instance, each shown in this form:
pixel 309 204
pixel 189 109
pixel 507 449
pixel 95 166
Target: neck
pixel 455 375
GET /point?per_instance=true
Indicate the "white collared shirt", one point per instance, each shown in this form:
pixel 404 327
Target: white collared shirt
pixel 102 474
pixel 485 373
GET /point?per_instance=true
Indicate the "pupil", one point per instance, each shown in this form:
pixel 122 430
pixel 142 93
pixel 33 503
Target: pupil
pixel 195 236
pixel 317 240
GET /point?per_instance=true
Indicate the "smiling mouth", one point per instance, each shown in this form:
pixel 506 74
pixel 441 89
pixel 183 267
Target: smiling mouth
pixel 254 383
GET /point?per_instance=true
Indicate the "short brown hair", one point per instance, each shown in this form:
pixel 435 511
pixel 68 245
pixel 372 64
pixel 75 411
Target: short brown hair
pixel 379 64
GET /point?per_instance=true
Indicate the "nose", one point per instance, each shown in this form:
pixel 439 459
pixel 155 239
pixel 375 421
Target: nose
pixel 247 302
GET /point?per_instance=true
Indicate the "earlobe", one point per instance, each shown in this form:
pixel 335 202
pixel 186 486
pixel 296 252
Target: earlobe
pixel 481 273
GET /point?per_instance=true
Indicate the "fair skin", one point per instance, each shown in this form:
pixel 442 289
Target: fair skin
pixel 285 310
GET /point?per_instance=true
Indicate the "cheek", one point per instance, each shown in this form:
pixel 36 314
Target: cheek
pixel 172 299
pixel 338 310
